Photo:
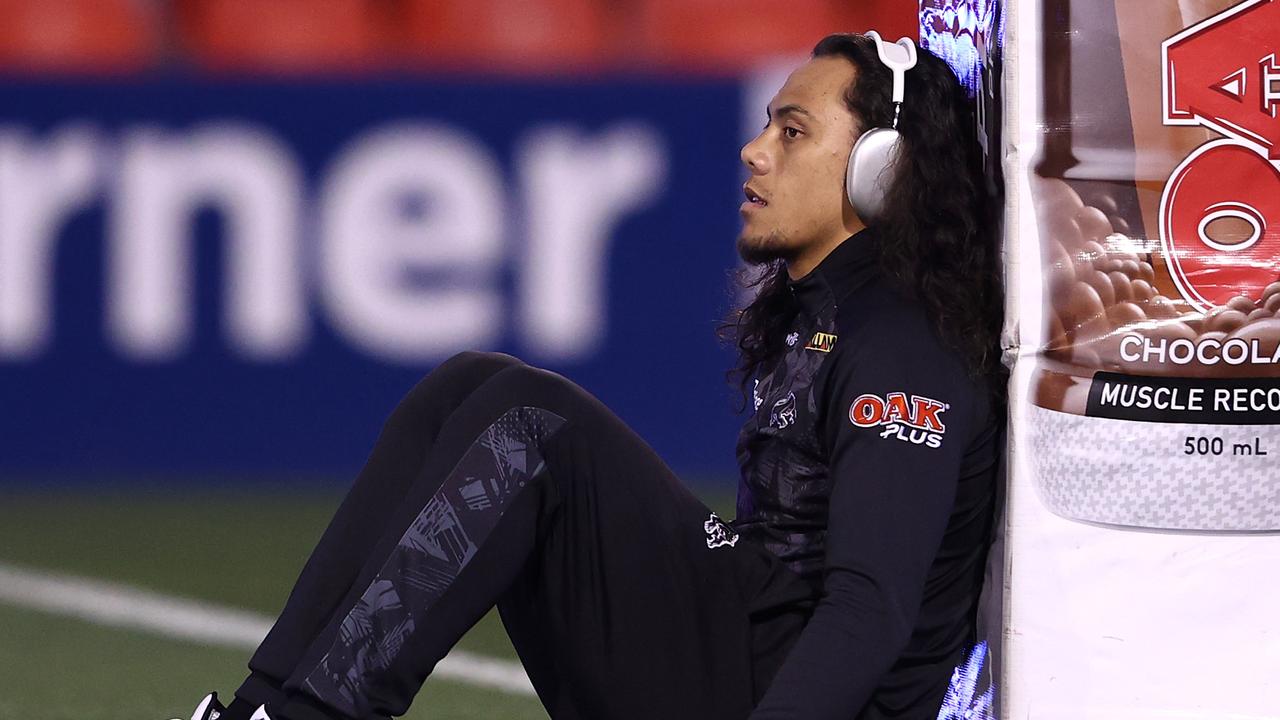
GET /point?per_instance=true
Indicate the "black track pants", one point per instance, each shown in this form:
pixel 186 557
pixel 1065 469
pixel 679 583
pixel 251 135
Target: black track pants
pixel 495 482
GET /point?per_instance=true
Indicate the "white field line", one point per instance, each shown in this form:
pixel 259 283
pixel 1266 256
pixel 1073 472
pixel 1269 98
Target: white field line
pixel 124 606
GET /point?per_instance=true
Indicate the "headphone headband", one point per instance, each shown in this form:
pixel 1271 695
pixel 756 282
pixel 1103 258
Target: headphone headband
pixel 899 57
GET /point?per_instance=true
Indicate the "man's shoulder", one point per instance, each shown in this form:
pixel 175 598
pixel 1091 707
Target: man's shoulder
pixel 878 317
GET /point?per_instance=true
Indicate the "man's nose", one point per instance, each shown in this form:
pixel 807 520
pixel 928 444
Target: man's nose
pixel 754 157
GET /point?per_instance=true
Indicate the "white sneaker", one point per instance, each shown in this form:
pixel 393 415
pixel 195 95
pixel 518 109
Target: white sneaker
pixel 208 709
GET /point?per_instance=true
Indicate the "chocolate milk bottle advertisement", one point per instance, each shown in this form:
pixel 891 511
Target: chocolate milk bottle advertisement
pixel 1142 174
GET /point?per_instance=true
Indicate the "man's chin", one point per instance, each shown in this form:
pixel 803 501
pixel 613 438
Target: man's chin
pixel 756 249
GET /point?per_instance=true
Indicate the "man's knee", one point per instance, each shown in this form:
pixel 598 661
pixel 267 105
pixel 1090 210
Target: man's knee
pixel 449 384
pixel 463 371
pixel 476 362
pixel 539 387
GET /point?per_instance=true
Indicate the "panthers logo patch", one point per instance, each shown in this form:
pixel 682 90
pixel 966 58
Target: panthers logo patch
pixel 719 533
pixel 783 412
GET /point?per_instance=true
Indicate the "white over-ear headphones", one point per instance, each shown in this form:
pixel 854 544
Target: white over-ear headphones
pixel 872 162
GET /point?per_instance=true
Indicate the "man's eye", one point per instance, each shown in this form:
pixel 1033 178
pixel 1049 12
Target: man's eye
pixel 791 132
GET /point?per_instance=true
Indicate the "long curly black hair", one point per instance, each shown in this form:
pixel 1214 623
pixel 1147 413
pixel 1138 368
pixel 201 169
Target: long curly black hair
pixel 936 238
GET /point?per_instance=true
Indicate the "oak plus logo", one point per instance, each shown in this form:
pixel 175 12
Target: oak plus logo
pixel 910 418
pixel 1220 210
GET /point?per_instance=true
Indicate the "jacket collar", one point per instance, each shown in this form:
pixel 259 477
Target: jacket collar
pixel 848 266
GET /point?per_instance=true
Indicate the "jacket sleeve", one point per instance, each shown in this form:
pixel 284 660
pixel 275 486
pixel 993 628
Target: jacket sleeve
pixel 897 418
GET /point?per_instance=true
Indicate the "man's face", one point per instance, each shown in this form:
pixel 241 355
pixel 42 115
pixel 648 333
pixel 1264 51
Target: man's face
pixel 795 196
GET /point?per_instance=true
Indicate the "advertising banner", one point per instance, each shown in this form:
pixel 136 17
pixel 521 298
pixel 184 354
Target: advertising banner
pixel 1144 238
pixel 207 278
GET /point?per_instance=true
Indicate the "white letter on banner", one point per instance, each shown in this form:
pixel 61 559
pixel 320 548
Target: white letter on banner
pixel 165 179
pixel 40 185
pixel 575 191
pixel 402 202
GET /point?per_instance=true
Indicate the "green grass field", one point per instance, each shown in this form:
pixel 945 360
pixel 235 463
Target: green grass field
pixel 231 548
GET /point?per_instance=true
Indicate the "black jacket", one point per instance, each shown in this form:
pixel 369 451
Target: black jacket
pixel 869 467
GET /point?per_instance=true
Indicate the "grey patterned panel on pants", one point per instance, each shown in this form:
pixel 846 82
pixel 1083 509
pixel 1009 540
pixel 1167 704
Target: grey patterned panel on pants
pixel 1137 474
pixel 438 544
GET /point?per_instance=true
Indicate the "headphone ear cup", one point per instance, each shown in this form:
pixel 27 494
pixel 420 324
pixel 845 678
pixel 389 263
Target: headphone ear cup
pixel 871 171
